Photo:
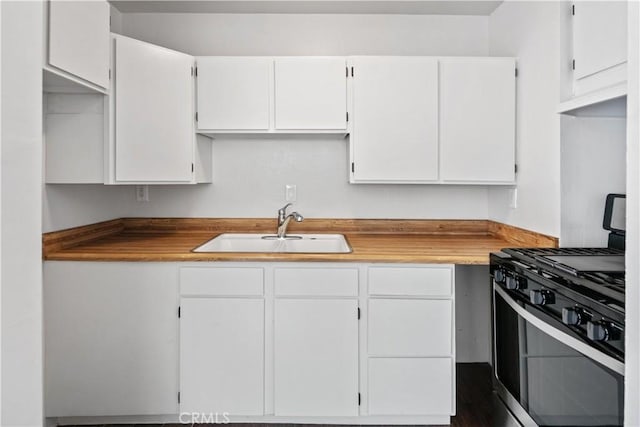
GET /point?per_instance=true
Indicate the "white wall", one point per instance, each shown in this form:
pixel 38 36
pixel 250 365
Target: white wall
pixel 632 340
pixel 250 174
pixel 473 314
pixel 21 199
pixel 530 30
pixel 593 155
pixel 321 34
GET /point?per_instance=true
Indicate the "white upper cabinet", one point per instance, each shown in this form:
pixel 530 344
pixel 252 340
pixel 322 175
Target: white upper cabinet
pixel 433 120
pixel 599 44
pixel 154 135
pixel 394 133
pixel 310 93
pixel 271 95
pixel 78 42
pixel 234 93
pixel 477 120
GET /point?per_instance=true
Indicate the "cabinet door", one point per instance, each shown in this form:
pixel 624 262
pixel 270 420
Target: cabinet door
pixel 111 338
pixel 310 93
pixel 410 327
pixel 394 135
pixel 233 93
pixel 316 357
pixel 599 36
pixel 477 120
pixel 222 356
pixel 411 386
pixel 79 39
pixel 154 132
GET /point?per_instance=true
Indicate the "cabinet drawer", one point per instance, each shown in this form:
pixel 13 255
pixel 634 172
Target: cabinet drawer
pixel 221 281
pixel 316 281
pixel 410 327
pixel 410 386
pixel 410 281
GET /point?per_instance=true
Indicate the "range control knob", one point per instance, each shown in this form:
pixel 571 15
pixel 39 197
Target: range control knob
pixel 574 316
pixel 602 331
pixel 517 282
pixel 499 275
pixel 541 297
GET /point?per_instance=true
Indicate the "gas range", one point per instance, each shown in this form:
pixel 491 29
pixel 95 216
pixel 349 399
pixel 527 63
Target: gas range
pixel 558 330
pixel 582 288
pixel 596 272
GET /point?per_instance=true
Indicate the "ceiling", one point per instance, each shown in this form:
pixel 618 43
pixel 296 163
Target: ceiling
pixel 421 7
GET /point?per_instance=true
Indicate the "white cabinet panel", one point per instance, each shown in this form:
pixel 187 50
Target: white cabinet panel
pixel 410 281
pixel 234 93
pixel 154 130
pixel 222 356
pixel 79 39
pixel 219 281
pixel 599 36
pixel 74 138
pixel 477 119
pixel 111 338
pixel 406 327
pixel 394 134
pixel 316 281
pixel 410 386
pixel 316 357
pixel 310 93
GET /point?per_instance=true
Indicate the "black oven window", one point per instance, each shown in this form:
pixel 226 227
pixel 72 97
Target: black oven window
pixel 565 388
pixel 507 347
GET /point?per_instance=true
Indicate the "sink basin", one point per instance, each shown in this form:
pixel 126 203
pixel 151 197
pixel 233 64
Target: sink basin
pixel 269 243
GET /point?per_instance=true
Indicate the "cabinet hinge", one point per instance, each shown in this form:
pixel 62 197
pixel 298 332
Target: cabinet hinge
pixel 573 9
pixel 358 312
pixel 353 167
pixel 359 399
pixel 573 64
pixel 178 397
pixel 179 312
pixel 351 71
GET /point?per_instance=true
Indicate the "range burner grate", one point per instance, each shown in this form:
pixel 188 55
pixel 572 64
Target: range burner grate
pixel 538 252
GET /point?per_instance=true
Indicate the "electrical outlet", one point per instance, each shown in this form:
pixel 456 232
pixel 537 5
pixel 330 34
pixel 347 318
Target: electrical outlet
pixel 142 193
pixel 290 193
pixel 513 198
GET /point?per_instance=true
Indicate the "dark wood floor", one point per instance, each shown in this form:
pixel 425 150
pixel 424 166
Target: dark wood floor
pixel 474 401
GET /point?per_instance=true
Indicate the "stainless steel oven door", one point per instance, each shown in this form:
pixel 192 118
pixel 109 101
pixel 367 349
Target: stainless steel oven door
pixel 549 377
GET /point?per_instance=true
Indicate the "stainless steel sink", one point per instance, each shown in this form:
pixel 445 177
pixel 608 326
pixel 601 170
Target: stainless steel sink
pixel 269 243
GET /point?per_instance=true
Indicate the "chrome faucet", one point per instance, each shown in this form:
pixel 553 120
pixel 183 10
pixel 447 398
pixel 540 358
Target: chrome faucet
pixel 284 219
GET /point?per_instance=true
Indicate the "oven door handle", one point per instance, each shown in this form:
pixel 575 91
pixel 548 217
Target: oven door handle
pixel 577 345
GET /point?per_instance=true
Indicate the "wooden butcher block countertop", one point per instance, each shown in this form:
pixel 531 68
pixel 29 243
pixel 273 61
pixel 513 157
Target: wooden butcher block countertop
pixel 393 241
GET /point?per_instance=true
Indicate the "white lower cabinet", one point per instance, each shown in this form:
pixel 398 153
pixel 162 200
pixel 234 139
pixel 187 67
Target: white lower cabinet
pixel 410 344
pixel 111 338
pixel 316 357
pixel 410 386
pixel 222 356
pixel 335 343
